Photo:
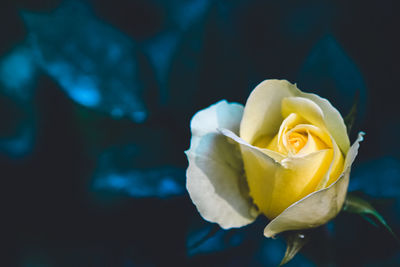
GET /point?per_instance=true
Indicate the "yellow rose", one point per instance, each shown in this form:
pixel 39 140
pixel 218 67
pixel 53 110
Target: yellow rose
pixel 286 155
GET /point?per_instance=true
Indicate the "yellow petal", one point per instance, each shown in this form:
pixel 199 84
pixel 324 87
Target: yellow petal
pixel 313 144
pixel 333 121
pixel 215 179
pixel 274 186
pixel 291 121
pixel 320 138
pixel 315 131
pixel 299 177
pixel 304 107
pixel 297 140
pixel 335 169
pixel 331 117
pixel 318 207
pixel 260 171
pixel 278 157
pixel 262 113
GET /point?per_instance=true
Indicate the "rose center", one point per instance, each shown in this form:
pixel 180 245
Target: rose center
pixel 296 141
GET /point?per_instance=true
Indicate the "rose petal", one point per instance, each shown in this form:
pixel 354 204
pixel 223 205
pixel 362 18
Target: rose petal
pixel 273 185
pixel 315 131
pixel 304 107
pixel 333 121
pixel 313 144
pixel 262 114
pixel 335 169
pixel 259 168
pixel 288 123
pixel 337 161
pixel 299 178
pixel 215 180
pixel 318 207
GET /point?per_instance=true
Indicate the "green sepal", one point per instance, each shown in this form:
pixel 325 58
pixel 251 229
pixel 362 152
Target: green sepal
pixel 295 240
pixel 355 204
pixel 351 116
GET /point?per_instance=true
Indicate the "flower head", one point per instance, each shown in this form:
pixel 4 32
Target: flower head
pixel 285 154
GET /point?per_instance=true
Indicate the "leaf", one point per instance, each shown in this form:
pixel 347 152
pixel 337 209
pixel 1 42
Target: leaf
pixel 212 232
pixel 351 116
pixel 355 204
pixel 18 127
pixel 364 177
pixel 162 182
pixel 330 72
pixel 294 242
pixel 204 238
pixel 96 65
pixel 17 73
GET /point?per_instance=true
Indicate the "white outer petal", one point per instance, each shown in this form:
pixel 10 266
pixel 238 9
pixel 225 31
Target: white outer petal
pixel 318 207
pixel 215 177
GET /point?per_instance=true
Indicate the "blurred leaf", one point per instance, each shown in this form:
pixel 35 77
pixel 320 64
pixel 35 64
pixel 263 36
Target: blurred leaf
pixel 96 65
pixel 304 19
pixel 20 144
pixel 294 242
pixel 213 231
pixel 354 204
pixel 351 116
pixel 17 73
pixel 331 73
pixel 206 238
pixel 378 178
pixel 185 69
pixel 155 182
pixel 186 13
pixel 18 126
pixel 271 252
pixel 160 51
pixel 162 48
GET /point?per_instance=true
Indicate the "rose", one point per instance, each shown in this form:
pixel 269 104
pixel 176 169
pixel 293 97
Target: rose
pixel 286 155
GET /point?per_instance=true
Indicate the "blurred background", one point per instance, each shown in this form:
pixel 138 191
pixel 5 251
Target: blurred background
pixel 96 98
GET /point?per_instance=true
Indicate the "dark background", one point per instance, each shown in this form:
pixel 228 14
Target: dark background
pixel 95 103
